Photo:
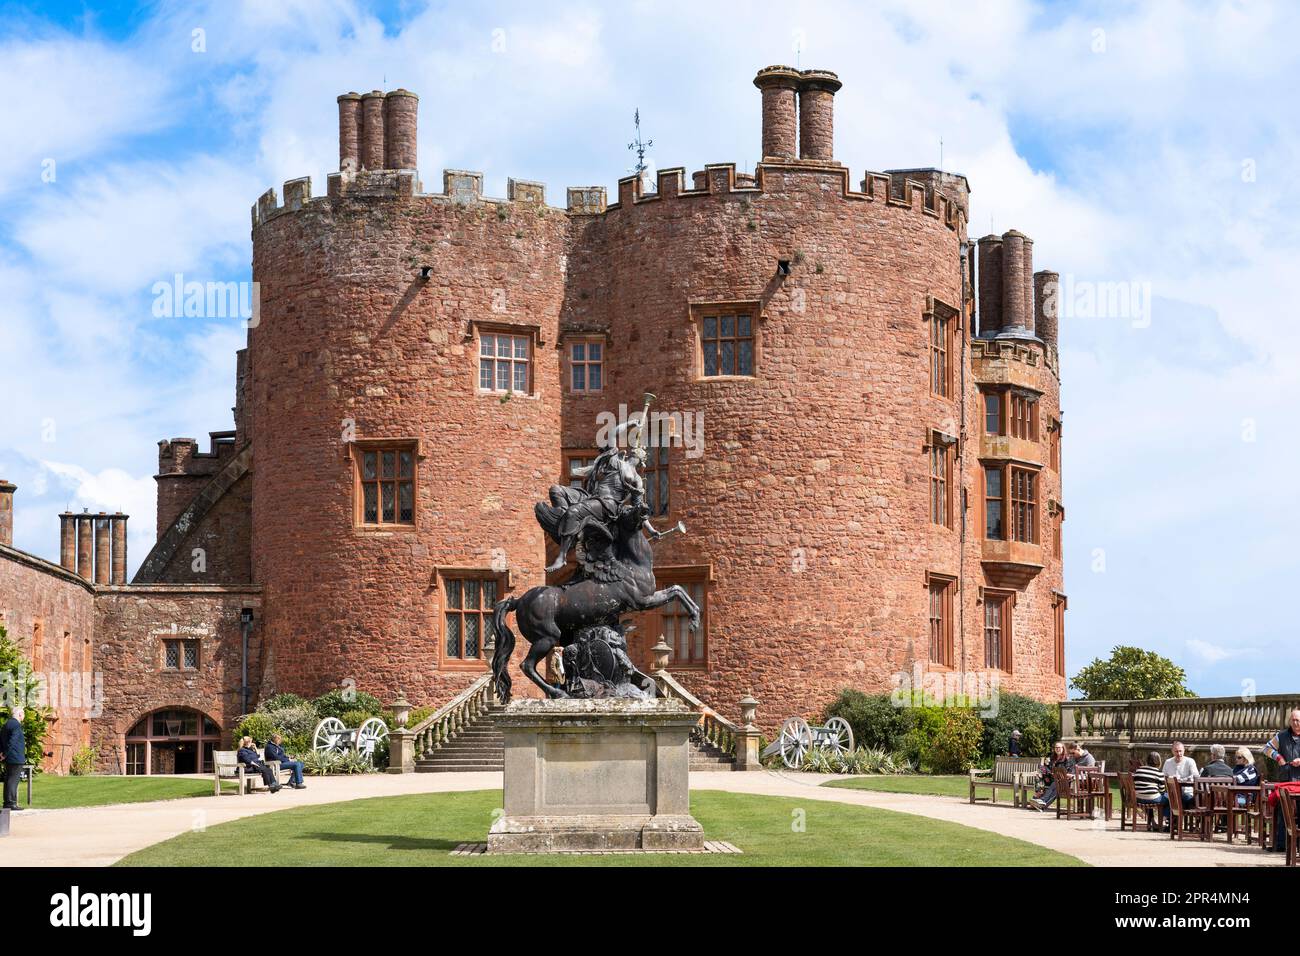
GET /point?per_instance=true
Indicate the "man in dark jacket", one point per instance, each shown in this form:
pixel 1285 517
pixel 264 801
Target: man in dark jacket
pixel 275 751
pixel 1014 749
pixel 1218 766
pixel 248 756
pixel 13 745
pixel 1283 748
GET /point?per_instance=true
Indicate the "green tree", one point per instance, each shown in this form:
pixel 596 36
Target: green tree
pixel 19 685
pixel 1131 674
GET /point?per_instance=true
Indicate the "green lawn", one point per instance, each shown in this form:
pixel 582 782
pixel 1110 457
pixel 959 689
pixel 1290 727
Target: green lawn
pixel 421 829
pixel 53 793
pixel 943 786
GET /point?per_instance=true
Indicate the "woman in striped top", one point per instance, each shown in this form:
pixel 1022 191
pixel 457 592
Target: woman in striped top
pixel 1149 782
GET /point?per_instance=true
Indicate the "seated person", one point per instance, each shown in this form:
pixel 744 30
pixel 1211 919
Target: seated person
pixel 1079 756
pixel 1245 773
pixel 1182 767
pixel 275 751
pixel 249 758
pixel 1149 783
pixel 1217 767
pixel 1060 758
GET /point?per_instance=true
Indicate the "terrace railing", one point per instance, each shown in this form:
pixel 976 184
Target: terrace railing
pixel 1193 720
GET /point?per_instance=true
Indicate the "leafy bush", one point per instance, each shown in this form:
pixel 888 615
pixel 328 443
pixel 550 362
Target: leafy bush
pixel 282 701
pixel 19 683
pixel 294 722
pixel 355 718
pixel 336 703
pixel 876 722
pixel 925 723
pixel 957 744
pixel 350 761
pixel 1036 721
pixel 319 763
pixel 83 761
pixel 862 760
pixel 258 726
pixel 417 714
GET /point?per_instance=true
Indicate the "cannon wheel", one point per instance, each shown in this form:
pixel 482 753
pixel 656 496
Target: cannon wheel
pixel 796 740
pixel 328 735
pixel 839 735
pixel 368 735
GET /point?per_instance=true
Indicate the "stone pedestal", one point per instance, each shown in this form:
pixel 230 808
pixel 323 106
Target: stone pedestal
pixel 596 775
pixel 401 751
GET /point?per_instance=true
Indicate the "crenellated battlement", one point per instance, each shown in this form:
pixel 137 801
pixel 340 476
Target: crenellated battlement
pixel 462 187
pixel 900 188
pixel 1026 352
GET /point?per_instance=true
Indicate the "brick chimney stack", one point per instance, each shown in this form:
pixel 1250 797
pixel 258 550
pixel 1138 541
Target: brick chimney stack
pixel 989 265
pixel 68 540
pixel 779 86
pixel 7 489
pixel 119 547
pixel 103 548
pixel 817 89
pixel 350 132
pixel 401 109
pixel 85 556
pixel 372 130
pixel 1017 315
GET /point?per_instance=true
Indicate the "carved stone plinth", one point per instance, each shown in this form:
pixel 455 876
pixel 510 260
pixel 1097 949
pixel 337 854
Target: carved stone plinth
pixel 596 775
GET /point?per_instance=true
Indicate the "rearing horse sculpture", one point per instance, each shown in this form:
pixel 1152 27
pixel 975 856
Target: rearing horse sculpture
pixel 551 616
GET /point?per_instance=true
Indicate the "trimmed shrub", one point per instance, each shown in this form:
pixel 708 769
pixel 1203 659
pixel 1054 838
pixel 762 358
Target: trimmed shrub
pixel 876 722
pixel 1036 721
pixel 339 702
pixel 258 726
pixel 281 701
pixel 319 764
pixel 957 744
pixel 294 722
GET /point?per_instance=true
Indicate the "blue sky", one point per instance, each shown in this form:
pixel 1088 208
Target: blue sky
pixel 1146 143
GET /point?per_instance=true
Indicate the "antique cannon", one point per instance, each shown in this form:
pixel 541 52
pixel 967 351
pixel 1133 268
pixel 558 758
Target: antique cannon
pixel 797 737
pixel 331 736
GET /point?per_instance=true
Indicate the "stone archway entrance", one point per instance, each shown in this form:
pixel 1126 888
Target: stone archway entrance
pixel 170 741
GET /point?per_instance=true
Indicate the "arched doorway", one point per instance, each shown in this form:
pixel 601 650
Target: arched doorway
pixel 172 740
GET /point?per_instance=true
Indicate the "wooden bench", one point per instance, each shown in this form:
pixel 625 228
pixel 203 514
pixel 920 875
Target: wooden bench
pixel 226 766
pixel 1006 773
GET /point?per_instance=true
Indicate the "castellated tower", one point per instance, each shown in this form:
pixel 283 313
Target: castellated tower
pixel 877 490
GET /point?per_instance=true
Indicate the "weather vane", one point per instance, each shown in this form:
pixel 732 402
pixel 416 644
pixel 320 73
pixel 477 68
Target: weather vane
pixel 638 146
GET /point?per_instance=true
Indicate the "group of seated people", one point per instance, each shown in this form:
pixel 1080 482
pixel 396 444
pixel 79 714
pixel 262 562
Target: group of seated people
pixel 249 757
pixel 1149 780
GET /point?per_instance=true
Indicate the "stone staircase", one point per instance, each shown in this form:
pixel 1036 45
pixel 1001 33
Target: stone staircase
pixel 707 756
pixel 480 746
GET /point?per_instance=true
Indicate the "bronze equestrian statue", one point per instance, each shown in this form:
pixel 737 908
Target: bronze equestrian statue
pixel 608 517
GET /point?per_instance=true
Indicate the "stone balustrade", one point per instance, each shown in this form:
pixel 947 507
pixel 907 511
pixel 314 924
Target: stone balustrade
pixel 1130 727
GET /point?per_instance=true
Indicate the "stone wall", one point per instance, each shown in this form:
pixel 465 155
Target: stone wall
pixel 354 346
pixel 131 624
pixel 49 613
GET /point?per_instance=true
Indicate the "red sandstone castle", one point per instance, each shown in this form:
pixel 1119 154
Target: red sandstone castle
pixel 878 485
